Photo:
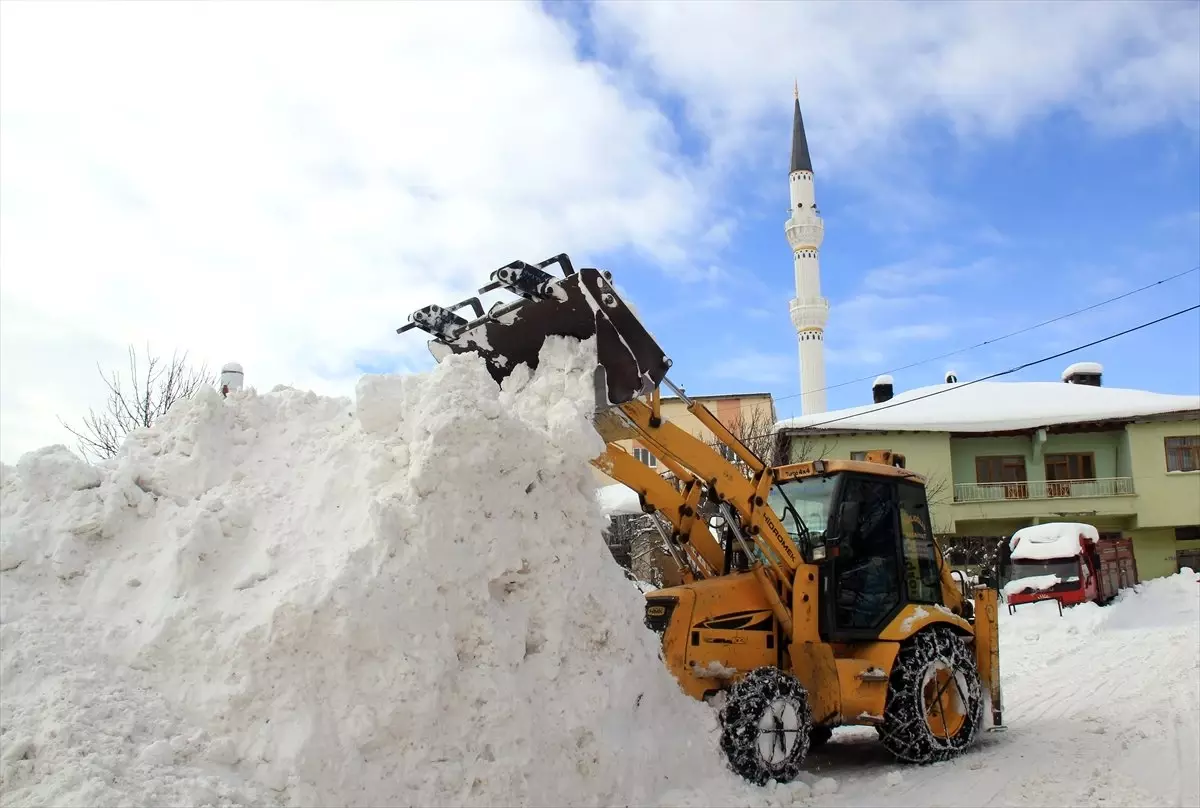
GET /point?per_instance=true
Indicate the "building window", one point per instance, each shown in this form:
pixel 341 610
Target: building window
pixel 1187 533
pixel 1061 469
pixel 644 456
pixel 1008 470
pixel 1183 454
pixel 1187 558
pixel 1071 466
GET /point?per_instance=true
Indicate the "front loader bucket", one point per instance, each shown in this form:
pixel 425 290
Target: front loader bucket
pixel 581 304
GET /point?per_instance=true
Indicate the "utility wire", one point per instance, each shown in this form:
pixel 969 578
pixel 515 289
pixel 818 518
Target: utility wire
pixel 1025 330
pixel 996 375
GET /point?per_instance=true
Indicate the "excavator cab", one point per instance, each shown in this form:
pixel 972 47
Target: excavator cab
pixel 869 533
pixel 814 594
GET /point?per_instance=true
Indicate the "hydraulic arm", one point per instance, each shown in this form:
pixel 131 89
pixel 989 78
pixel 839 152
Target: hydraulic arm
pixel 689 541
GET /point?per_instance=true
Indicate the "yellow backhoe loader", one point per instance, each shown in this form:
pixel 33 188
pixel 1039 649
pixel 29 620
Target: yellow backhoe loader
pixel 814 594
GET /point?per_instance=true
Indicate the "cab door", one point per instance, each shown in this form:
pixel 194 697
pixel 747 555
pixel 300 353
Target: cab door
pixel 921 575
pixel 884 559
pixel 861 585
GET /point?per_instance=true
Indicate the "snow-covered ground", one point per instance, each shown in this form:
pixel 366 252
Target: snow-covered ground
pixel 1102 708
pixel 283 599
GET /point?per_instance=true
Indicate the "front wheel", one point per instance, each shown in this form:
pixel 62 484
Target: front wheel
pixel 935 701
pixel 765 726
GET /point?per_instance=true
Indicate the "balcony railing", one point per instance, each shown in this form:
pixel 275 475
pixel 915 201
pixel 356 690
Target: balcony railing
pixel 1043 489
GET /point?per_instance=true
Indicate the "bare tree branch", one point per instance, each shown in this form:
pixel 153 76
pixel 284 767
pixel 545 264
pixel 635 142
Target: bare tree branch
pixel 809 448
pixel 756 431
pixel 937 493
pixel 137 402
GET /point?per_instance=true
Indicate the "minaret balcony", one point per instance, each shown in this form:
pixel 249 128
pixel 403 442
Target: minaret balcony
pixel 809 312
pixel 807 232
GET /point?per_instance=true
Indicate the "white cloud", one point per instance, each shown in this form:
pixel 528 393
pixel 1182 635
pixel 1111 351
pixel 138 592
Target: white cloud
pixel 897 306
pixel 870 72
pixel 1184 222
pixel 926 271
pixel 281 184
pixel 756 367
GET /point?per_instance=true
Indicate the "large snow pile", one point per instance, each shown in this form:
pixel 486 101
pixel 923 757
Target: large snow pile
pixel 1051 540
pixel 288 599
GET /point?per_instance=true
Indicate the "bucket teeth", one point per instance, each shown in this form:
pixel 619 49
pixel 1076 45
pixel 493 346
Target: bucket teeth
pixel 444 324
pixel 526 280
pixel 581 305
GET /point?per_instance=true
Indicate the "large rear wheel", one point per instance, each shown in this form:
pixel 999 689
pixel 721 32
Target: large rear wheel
pixel 935 701
pixel 766 724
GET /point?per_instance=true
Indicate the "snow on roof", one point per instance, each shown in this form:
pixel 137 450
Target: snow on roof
pixel 1082 367
pixel 1051 540
pixel 994 407
pixel 884 379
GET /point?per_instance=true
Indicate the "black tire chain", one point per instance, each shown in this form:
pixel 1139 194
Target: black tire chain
pixel 905 732
pixel 745 705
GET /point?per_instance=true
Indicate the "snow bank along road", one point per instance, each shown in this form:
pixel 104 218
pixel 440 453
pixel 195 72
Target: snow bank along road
pixel 1102 708
pixel 284 599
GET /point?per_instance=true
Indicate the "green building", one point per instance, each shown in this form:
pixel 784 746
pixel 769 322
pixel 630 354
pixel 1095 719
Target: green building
pixel 1002 455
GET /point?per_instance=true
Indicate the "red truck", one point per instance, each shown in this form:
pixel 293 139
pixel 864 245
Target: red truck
pixel 1067 562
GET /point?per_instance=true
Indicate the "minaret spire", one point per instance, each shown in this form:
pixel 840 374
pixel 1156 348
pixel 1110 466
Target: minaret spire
pixel 801 160
pixel 805 231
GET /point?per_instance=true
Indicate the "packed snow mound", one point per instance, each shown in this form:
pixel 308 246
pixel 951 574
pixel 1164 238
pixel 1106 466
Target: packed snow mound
pixel 295 600
pixel 1051 540
pixel 1102 706
pixel 1169 602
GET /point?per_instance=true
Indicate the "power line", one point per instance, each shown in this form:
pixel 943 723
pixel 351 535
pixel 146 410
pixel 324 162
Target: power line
pixel 1025 330
pixel 947 389
pixel 997 375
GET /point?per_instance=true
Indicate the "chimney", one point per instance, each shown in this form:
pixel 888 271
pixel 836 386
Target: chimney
pixel 881 389
pixel 951 377
pixel 232 377
pixel 1088 373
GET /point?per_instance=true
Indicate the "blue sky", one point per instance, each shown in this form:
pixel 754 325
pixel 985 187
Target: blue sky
pixel 1017 231
pixel 980 167
pixel 974 236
